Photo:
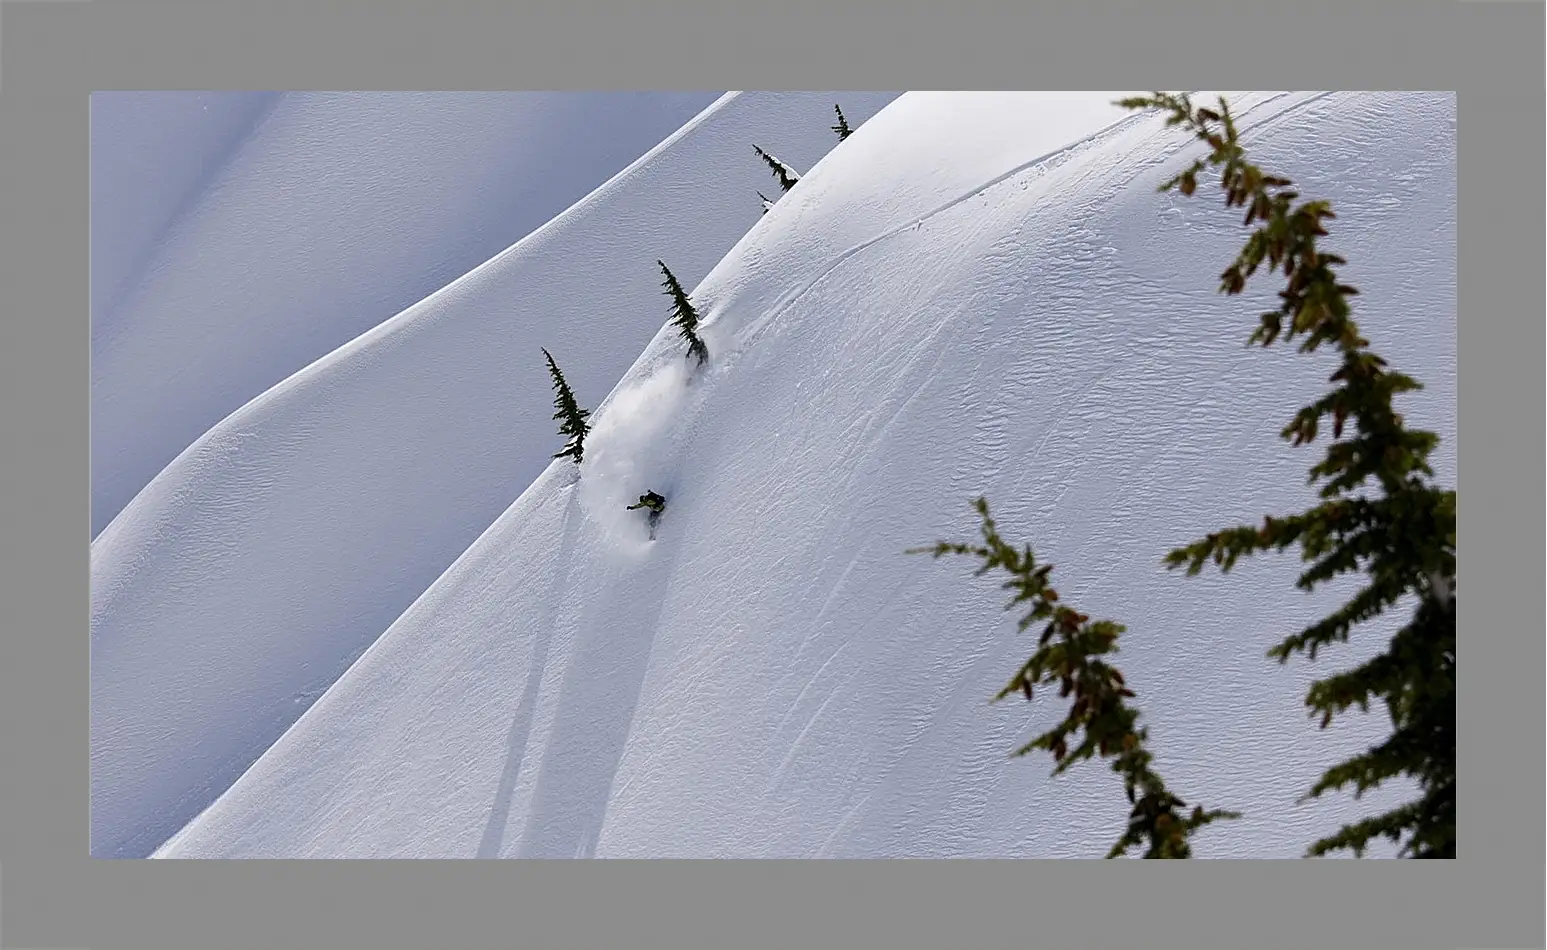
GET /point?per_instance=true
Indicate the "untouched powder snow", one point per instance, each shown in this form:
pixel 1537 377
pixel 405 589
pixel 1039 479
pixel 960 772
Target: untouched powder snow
pixel 249 574
pixel 973 294
pixel 152 154
pixel 328 216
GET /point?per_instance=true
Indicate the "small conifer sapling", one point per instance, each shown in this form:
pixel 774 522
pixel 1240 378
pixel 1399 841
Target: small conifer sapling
pixel 842 128
pixel 683 316
pixel 787 176
pixel 572 417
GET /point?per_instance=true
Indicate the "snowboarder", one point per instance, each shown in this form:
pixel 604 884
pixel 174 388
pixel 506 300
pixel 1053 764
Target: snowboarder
pixel 655 503
pixel 650 500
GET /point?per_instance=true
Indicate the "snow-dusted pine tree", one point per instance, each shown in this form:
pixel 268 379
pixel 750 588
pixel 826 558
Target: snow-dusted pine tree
pixel 787 176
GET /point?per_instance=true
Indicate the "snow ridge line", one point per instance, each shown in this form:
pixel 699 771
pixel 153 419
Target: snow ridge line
pixel 1060 155
pixel 404 317
pixel 754 332
pixel 391 324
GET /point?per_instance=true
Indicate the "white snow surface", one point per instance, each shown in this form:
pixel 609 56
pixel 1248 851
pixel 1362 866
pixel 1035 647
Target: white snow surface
pixel 975 293
pixel 240 236
pixel 250 572
pixel 153 153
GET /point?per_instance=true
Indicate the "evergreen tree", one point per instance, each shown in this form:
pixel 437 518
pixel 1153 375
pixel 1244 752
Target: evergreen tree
pixel 1403 537
pixel 842 128
pixel 1068 654
pixel 767 202
pixel 683 316
pixel 573 417
pixel 787 177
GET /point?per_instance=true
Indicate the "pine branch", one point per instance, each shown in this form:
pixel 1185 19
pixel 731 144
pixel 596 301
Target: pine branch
pixel 1099 718
pixel 1404 539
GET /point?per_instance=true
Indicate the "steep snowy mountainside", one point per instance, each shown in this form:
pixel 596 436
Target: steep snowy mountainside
pixel 251 571
pixel 947 305
pixel 333 213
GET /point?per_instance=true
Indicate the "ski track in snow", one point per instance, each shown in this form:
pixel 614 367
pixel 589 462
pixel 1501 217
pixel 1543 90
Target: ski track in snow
pixel 521 726
pixel 772 677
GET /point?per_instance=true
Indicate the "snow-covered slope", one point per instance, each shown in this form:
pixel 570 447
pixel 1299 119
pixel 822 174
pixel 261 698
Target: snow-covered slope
pixel 975 293
pixel 152 154
pixel 298 224
pixel 249 574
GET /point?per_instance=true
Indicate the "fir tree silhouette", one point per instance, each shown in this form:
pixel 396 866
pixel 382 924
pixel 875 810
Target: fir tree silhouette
pixel 683 316
pixel 569 412
pixel 787 176
pixel 842 128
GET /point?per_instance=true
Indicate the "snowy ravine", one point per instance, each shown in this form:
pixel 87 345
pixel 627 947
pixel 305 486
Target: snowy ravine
pixel 248 575
pixel 974 294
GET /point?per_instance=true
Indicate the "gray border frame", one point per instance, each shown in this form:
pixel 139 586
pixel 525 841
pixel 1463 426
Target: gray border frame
pixel 55 53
